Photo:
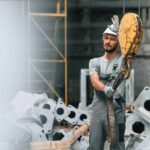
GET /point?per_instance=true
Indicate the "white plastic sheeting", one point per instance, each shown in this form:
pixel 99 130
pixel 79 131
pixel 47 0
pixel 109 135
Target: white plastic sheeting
pixel 23 103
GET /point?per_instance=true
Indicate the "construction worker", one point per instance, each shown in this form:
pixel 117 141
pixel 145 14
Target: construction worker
pixel 103 71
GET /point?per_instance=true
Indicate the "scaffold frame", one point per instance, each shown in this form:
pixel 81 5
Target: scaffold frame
pixel 63 57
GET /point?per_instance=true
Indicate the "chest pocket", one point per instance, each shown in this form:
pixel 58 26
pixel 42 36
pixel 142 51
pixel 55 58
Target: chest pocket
pixel 108 78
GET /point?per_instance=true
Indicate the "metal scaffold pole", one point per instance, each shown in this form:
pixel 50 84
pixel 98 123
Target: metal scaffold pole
pixel 66 73
pixel 59 15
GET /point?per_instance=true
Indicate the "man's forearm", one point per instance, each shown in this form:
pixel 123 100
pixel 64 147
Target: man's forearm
pixel 100 86
pixel 96 83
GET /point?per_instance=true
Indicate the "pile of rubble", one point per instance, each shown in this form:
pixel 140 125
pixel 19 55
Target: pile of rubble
pixel 45 119
pixel 138 123
pixel 37 122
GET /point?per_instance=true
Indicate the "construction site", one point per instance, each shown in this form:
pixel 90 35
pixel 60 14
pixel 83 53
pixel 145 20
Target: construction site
pixel 51 93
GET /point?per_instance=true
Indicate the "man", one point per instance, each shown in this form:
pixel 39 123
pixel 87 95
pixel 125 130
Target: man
pixel 103 71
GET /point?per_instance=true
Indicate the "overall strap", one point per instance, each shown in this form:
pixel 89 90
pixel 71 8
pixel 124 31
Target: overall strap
pixel 107 78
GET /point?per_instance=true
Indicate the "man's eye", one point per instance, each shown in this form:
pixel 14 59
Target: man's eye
pixel 112 39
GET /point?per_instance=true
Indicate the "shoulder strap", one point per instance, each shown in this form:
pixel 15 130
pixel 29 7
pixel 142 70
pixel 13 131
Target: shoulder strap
pixel 98 67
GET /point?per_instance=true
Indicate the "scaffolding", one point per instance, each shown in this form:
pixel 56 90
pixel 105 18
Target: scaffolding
pixel 59 11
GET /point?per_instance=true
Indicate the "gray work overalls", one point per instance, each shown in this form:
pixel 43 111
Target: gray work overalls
pixel 98 122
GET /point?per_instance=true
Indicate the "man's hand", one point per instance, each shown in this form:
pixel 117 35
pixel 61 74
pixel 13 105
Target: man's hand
pixel 109 91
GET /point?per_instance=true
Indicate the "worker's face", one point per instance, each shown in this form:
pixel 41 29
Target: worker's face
pixel 110 43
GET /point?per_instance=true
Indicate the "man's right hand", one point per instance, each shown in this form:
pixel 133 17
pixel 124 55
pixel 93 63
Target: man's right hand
pixel 109 91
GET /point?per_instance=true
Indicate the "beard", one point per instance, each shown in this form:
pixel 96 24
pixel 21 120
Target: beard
pixel 111 50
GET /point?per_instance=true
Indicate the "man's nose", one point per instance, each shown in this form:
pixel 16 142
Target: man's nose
pixel 108 40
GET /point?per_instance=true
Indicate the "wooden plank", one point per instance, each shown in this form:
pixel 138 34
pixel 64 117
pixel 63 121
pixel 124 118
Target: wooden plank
pixel 50 145
pixel 60 145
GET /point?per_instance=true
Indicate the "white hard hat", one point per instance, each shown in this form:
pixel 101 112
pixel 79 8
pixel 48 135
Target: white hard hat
pixel 109 30
pixel 113 29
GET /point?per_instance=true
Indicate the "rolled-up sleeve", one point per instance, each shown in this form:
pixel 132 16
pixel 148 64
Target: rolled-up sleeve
pixel 93 66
